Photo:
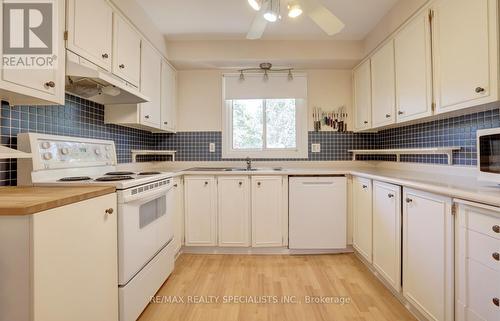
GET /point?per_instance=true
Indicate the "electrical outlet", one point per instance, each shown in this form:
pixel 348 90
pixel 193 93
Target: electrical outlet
pixel 212 147
pixel 316 148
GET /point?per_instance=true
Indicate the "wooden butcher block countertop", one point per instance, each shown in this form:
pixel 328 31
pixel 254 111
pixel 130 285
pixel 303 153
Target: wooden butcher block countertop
pixel 31 200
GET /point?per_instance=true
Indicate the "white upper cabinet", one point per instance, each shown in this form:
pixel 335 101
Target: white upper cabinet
pixel 168 97
pixel 90 30
pixel 126 51
pixel 234 211
pixel 383 86
pixel 362 96
pixel 414 70
pixel 36 86
pixel 465 38
pixel 151 67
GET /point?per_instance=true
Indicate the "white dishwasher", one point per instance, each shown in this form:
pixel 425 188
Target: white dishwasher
pixel 317 212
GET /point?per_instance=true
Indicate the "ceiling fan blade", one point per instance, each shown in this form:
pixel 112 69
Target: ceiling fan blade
pixel 323 17
pixel 257 28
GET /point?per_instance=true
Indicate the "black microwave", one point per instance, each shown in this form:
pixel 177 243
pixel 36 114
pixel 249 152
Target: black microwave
pixel 488 154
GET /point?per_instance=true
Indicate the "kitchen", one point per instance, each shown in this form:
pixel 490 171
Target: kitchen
pixel 250 160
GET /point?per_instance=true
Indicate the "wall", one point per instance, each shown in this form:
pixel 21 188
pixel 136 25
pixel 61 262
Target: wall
pixel 200 96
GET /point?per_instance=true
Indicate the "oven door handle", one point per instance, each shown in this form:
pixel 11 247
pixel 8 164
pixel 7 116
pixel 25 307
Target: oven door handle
pixel 143 198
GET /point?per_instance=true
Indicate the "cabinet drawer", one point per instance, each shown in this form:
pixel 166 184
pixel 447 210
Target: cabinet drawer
pixel 485 224
pixel 484 249
pixel 483 287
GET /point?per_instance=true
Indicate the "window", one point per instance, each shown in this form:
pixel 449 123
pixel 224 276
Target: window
pixel 264 128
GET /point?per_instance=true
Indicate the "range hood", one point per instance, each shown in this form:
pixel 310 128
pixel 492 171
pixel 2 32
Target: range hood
pixel 88 81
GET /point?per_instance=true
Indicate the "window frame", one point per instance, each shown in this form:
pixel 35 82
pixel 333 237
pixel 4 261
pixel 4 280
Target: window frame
pixel 299 152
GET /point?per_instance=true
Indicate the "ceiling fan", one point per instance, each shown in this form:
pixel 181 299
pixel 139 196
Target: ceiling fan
pixel 269 11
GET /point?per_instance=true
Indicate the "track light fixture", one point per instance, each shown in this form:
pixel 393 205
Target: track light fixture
pixel 266 68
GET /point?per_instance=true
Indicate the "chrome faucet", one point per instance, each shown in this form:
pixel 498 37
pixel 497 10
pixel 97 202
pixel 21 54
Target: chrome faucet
pixel 249 164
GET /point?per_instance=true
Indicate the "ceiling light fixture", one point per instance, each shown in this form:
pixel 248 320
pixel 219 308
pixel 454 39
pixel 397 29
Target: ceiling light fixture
pixel 294 9
pixel 266 68
pixel 272 13
pixel 255 4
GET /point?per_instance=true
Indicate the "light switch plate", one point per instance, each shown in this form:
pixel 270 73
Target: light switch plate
pixel 212 147
pixel 316 148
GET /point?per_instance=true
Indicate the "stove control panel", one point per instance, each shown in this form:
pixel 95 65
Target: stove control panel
pixel 70 154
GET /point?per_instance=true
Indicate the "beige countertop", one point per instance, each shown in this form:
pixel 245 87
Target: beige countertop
pixel 31 200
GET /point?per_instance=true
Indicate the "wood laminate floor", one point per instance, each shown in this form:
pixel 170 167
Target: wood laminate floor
pixel 202 286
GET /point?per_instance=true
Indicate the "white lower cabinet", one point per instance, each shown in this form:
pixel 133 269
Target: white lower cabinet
pixel 62 263
pixel 200 194
pixel 428 258
pixel 178 210
pixel 387 232
pixel 234 210
pixel 477 263
pixel 362 216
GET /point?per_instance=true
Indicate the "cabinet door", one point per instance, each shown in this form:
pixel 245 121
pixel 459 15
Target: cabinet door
pixel 126 51
pixel 428 258
pixel 387 232
pixel 267 211
pixel 362 215
pixel 383 86
pixel 90 30
pixel 362 96
pixel 178 211
pixel 465 36
pixel 75 252
pixel 168 97
pixel 42 85
pixel 414 70
pixel 200 205
pixel 150 86
pixel 234 211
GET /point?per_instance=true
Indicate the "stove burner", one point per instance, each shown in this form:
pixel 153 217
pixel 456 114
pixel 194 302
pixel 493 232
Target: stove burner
pixel 75 179
pixel 149 173
pixel 119 173
pixel 113 178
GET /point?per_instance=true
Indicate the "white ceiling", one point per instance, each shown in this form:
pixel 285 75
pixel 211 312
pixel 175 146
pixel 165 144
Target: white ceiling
pixel 231 19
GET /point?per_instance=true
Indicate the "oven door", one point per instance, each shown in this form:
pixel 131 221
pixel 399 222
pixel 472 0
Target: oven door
pixel 145 226
pixel 489 154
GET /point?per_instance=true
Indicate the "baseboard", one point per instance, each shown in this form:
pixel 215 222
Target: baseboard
pixel 258 250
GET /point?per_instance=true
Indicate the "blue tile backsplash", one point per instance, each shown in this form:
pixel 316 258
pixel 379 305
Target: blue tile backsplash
pixel 82 118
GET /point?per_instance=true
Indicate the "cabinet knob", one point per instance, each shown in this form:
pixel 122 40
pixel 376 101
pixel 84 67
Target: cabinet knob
pixel 390 195
pixel 401 112
pixel 206 183
pixel 240 183
pixel 122 66
pixel 50 84
pixel 365 186
pixel 147 116
pixel 496 229
pixel 387 115
pixel 165 123
pixel 105 55
pixel 365 122
pixel 175 185
pixel 480 90
pixel 109 211
pixel 496 256
pixel 496 301
pixel 259 183
pixel 408 200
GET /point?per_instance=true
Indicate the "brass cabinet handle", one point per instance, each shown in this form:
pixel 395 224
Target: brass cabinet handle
pixel 480 90
pixel 408 200
pixel 365 186
pixel 147 116
pixel 387 115
pixel 401 112
pixel 240 183
pixel 165 123
pixel 365 122
pixel 390 195
pixel 109 211
pixel 175 185
pixel 496 256
pixel 122 66
pixel 496 301
pixel 496 229
pixel 105 55
pixel 50 84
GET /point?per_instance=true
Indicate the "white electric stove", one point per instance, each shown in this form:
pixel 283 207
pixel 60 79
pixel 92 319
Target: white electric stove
pixel 144 209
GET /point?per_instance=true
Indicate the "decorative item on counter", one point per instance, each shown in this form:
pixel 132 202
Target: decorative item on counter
pixel 336 120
